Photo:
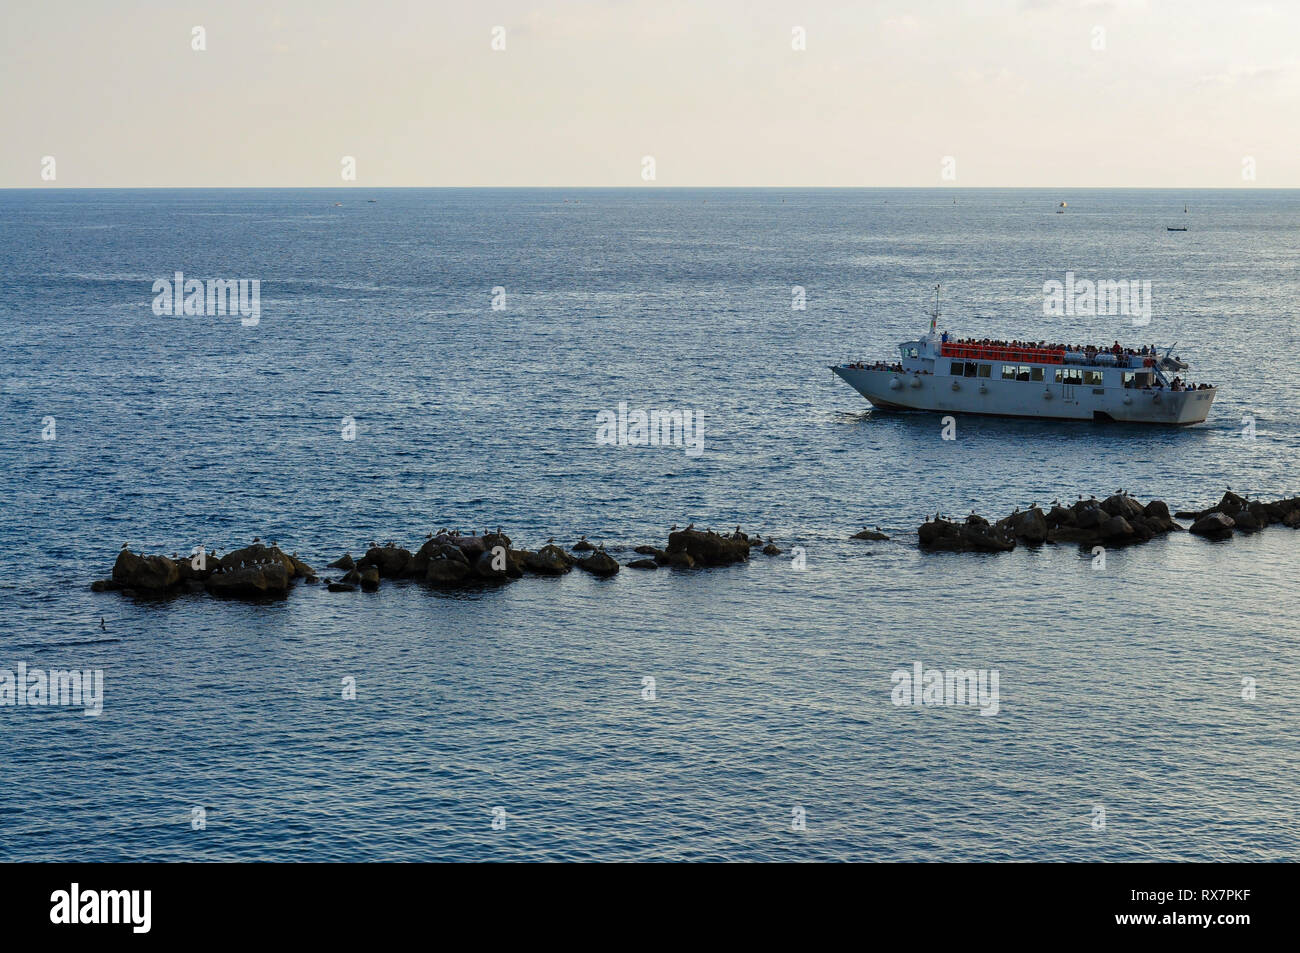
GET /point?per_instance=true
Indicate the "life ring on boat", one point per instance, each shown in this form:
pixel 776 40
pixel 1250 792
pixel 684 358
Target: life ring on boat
pixel 984 389
pixel 1128 398
pixel 956 386
pixel 1047 393
pixel 916 382
pixel 1156 398
pixel 895 384
pixel 1149 362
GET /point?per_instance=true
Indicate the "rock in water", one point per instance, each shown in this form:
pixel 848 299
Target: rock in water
pixel 1156 509
pixel 370 578
pixel 471 546
pixel 341 587
pixel 708 549
pixel 444 570
pixel 493 540
pixel 643 564
pixel 145 572
pixel 1244 521
pixel 1116 530
pixel 550 560
pixel 1031 525
pixel 1214 525
pixel 391 561
pixel 257 555
pixel 343 562
pixel 1060 516
pixel 1089 517
pixel 771 549
pixel 265 579
pixel 600 563
pixel 1122 505
pixel 870 534
pixel 486 567
pixel 583 546
pixel 1230 503
pixel 301 570
pixel 975 534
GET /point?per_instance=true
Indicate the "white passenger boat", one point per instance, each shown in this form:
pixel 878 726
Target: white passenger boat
pixel 942 374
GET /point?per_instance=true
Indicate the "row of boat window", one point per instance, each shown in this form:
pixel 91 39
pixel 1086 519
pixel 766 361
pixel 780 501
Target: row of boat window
pixel 1024 372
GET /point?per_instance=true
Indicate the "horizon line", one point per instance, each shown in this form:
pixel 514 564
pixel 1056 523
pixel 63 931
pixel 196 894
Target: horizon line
pixel 650 188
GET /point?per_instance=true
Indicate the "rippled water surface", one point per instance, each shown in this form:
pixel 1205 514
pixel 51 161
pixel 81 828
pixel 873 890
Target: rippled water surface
pixel 1119 688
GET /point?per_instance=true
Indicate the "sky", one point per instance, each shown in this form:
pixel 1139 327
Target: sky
pixel 985 93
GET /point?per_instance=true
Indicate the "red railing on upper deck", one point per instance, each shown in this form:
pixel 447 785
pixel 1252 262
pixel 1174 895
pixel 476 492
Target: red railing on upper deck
pixel 1011 355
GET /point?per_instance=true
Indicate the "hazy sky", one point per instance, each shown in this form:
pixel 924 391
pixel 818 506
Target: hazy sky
pixel 1015 91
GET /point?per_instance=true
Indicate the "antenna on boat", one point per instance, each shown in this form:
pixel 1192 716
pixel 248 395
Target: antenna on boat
pixel 934 315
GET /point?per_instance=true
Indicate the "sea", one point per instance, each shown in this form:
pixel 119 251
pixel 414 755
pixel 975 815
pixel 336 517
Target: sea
pixel 440 358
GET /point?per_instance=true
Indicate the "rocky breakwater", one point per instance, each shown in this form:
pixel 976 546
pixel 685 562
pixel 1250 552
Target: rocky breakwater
pixel 974 534
pixel 1237 514
pixel 447 559
pixel 251 572
pixel 691 548
pixel 1118 520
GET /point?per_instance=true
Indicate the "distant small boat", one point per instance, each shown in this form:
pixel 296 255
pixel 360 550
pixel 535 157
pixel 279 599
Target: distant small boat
pixel 1175 228
pixel 1060 209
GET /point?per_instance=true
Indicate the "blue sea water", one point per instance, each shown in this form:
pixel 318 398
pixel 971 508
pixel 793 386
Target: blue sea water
pixel 1120 688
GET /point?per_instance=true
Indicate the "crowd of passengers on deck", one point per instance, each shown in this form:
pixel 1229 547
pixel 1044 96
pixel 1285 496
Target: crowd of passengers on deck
pixel 896 367
pixel 1087 349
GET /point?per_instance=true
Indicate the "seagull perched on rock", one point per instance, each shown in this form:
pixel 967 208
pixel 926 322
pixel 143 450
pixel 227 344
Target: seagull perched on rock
pixel 690 527
pixel 257 539
pixel 673 528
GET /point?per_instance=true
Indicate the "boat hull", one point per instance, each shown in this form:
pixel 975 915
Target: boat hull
pixel 894 390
